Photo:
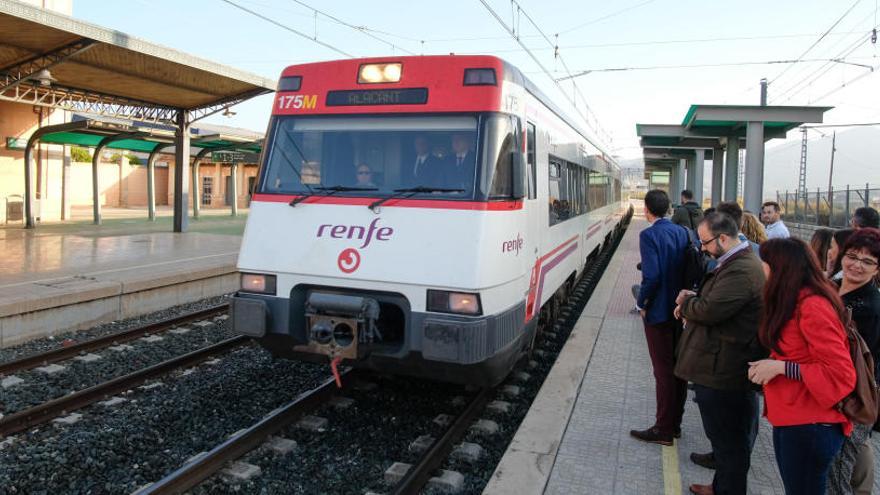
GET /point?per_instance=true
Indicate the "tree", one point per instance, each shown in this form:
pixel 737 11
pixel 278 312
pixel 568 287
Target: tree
pixel 78 154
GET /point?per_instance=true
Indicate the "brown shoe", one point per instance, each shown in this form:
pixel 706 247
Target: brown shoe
pixel 702 489
pixel 652 435
pixel 704 460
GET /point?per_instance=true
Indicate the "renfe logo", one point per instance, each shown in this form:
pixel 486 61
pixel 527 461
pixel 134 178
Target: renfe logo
pixel 357 232
pixel 512 245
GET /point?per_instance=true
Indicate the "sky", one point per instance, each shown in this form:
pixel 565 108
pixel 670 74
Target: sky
pixel 592 35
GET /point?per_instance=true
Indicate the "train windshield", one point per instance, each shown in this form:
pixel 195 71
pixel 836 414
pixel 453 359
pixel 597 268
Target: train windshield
pixel 432 156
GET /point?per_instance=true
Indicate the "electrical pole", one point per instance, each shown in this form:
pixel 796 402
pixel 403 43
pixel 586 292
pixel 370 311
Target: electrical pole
pixel 802 173
pixel 831 170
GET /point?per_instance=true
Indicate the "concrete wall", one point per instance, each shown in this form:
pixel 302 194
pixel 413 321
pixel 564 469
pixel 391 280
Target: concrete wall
pixel 803 231
pixel 20 121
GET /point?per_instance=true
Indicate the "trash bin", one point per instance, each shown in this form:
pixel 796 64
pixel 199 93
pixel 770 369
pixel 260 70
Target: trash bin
pixel 14 208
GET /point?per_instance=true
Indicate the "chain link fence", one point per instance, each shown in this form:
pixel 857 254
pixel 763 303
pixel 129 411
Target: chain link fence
pixel 826 208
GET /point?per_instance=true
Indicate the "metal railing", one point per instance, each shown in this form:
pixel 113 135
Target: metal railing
pixel 826 208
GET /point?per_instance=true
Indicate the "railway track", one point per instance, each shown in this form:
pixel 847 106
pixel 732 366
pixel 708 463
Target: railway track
pixel 206 465
pixel 41 413
pixel 63 353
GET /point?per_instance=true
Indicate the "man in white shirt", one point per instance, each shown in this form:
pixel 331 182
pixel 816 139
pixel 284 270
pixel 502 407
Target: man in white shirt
pixel 774 226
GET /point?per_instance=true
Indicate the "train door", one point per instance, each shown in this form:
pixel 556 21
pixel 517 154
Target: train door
pixel 534 217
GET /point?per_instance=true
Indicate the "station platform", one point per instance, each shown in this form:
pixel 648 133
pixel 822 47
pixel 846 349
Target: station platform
pixel 70 276
pixel 575 438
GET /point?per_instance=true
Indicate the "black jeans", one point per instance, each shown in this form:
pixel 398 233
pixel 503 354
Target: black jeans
pixel 730 420
pixel 804 453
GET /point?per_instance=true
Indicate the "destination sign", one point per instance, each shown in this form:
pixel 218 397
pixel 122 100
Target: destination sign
pixel 411 96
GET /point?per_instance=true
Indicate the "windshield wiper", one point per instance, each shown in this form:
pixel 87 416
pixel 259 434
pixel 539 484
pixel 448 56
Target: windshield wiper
pixel 409 192
pixel 330 190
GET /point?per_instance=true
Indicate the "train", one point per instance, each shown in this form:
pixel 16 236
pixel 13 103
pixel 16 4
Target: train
pixel 419 215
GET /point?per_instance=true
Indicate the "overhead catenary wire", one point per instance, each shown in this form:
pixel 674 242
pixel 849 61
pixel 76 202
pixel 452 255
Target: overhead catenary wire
pixel 360 29
pixel 288 28
pixel 515 35
pixel 607 16
pixel 814 76
pixel 692 66
pixel 822 37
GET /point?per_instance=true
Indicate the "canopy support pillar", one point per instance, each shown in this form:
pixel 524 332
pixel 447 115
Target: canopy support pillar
pixel 696 185
pixel 233 172
pixel 151 180
pixel 731 169
pixel 181 167
pixel 717 174
pixel 753 185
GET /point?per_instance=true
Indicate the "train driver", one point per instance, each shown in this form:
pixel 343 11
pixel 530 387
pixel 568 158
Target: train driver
pixel 364 176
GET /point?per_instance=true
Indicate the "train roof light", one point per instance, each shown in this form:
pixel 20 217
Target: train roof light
pixel 480 77
pixel 379 73
pixel 290 83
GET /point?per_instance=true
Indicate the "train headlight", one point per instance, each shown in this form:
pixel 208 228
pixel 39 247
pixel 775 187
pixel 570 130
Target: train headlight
pixel 258 283
pixel 380 73
pixel 464 303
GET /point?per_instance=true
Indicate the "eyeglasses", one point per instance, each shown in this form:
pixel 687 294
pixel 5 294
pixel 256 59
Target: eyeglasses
pixel 706 243
pixel 865 262
pixel 364 173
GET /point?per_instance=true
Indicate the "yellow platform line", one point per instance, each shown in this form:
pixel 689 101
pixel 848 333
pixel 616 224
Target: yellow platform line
pixel 671 473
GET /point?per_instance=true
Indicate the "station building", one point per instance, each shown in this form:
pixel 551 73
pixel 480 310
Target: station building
pixel 62 173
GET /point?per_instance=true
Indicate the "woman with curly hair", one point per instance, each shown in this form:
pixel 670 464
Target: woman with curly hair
pixel 753 229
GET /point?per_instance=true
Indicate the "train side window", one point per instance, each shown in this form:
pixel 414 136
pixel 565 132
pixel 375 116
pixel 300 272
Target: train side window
pixel 554 192
pixel 532 158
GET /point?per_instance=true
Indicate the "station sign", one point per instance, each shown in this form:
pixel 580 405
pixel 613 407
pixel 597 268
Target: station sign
pixel 230 156
pixel 14 143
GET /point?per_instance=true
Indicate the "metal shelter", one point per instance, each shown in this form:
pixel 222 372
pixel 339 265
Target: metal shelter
pixel 56 61
pixel 100 134
pixel 713 131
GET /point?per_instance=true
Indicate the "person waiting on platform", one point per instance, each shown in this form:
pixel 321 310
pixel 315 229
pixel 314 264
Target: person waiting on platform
pixel 719 341
pixel 689 214
pixel 770 215
pixel 865 217
pixel 809 370
pixel 364 176
pixel 662 247
pixel 820 243
pixel 753 229
pixel 853 469
pixel 834 266
pixel 734 211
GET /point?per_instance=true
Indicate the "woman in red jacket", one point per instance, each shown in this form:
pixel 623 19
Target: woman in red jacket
pixel 809 370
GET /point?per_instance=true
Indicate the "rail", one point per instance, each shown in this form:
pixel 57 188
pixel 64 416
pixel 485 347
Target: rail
pixel 68 352
pixel 41 413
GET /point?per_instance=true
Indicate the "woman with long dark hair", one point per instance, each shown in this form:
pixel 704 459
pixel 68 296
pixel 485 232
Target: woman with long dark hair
pixel 809 370
pixel 835 253
pixel 853 469
pixel 820 243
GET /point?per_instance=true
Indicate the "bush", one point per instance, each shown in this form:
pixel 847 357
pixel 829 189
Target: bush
pixel 132 160
pixel 82 155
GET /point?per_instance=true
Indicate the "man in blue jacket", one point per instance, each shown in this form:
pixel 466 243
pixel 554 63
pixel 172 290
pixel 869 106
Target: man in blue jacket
pixel 662 247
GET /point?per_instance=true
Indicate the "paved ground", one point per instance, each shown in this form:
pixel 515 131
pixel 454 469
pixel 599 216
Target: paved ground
pixel 597 455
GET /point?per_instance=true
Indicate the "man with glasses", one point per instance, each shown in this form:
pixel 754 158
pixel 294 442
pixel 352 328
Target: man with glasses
pixel 719 341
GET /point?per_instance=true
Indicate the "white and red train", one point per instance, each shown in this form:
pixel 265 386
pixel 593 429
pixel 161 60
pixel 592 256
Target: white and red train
pixel 418 215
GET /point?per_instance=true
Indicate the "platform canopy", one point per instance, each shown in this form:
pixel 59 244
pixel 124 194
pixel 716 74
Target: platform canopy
pixel 106 72
pixel 706 132
pixel 56 61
